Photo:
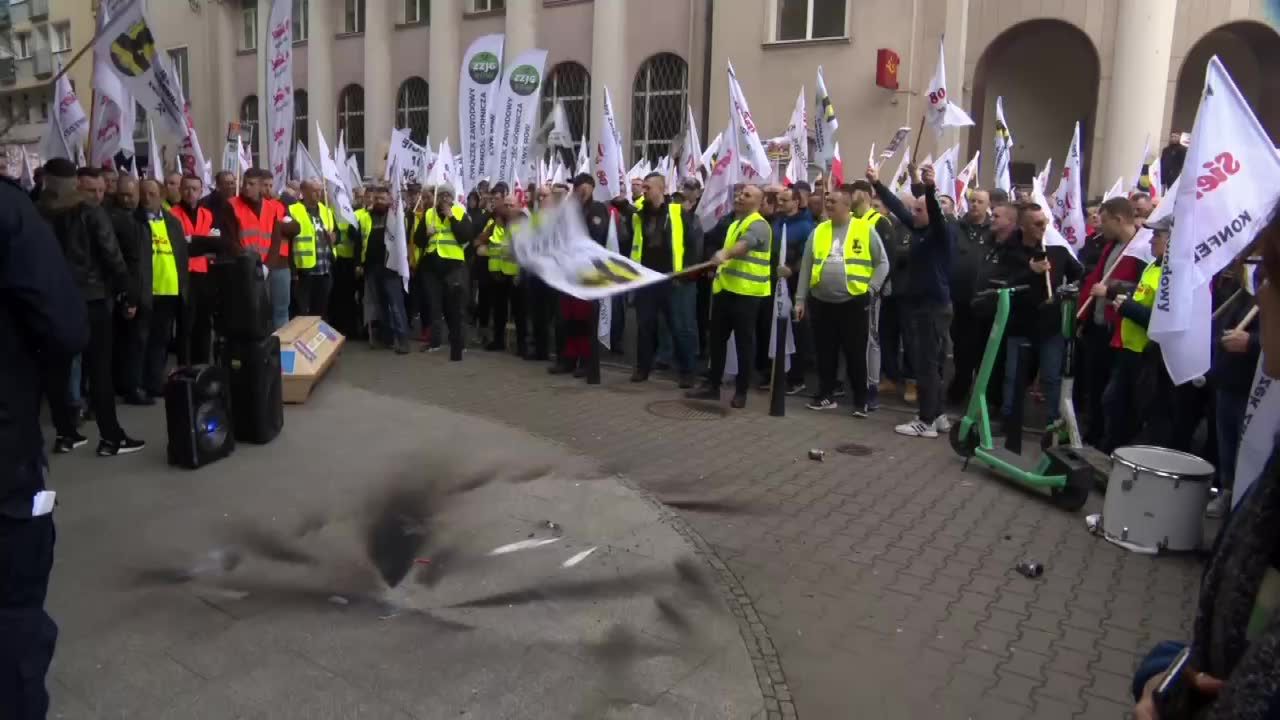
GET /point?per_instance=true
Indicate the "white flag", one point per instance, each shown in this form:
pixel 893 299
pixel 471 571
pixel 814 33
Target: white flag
pixel 190 155
pixel 26 173
pixel 1142 164
pixel 712 153
pixel 397 237
pixel 744 136
pixel 515 114
pixel 604 330
pixel 145 71
pixel 409 157
pixel 1004 149
pixel 477 96
pixel 1068 200
pixel 335 175
pixel 963 180
pixel 1043 180
pixel 1259 437
pixel 691 154
pixel 1139 246
pixel 782 309
pixel 558 134
pixel 1051 235
pixel 304 168
pixel 244 158
pixel 797 136
pixel 155 166
pixel 1116 190
pixel 113 110
pixel 68 114
pixel 329 167
pixel 1217 216
pixel 945 171
pixel 558 249
pixel 611 174
pixel 584 157
pixel 902 176
pixel 941 112
pixel 280 91
pixel 825 125
pixel 717 195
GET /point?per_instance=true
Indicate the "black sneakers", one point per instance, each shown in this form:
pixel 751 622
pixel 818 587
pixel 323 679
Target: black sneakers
pixel 125 446
pixel 64 444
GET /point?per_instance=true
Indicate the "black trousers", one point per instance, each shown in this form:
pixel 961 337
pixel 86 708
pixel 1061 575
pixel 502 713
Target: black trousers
pixel 344 310
pixel 704 317
pixel 96 366
pixel 618 325
pixel 447 283
pixel 540 304
pixel 1098 356
pixel 482 280
pixel 764 325
pixel 736 314
pixel 803 335
pixel 196 323
pixel 653 302
pixel 841 327
pixel 504 299
pixel 968 340
pixel 26 560
pixel 311 292
pixel 129 349
pixel 895 359
pixel 165 311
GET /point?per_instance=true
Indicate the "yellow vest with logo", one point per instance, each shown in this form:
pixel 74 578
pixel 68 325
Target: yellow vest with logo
pixel 365 221
pixel 304 245
pixel 749 274
pixel 677 237
pixel 443 242
pixel 164 269
pixel 1132 335
pixel 500 257
pixel 857 254
pixel 343 247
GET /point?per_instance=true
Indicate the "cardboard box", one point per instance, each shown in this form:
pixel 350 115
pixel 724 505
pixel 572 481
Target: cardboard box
pixel 308 346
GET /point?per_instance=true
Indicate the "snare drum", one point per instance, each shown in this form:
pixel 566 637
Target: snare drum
pixel 1155 499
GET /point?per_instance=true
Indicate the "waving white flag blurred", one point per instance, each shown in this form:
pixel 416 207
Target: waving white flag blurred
pixel 754 165
pixel 825 125
pixel 940 112
pixel 1004 149
pixel 1068 199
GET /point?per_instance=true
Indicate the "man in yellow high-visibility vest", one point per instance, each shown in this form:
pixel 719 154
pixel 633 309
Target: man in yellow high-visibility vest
pixel 741 285
pixel 447 233
pixel 313 250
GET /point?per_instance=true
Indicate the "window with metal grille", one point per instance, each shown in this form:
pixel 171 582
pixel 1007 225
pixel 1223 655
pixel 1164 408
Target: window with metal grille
pixel 249 119
pixel 658 101
pixel 412 105
pixel 810 19
pixel 249 25
pixel 141 139
pixel 181 64
pixel 570 83
pixel 351 120
pixel 299 120
pixel 301 20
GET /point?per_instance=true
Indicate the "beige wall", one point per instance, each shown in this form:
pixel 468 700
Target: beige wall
pixel 38 92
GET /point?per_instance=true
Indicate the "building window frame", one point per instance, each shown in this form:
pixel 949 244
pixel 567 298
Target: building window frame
pixel 417 12
pixel 180 58
pixel 774 23
pixel 249 26
pixel 23 45
pixel 577 103
pixel 301 107
pixel 249 119
pixel 354 14
pixel 484 7
pixel 60 36
pixel 413 108
pixel 351 116
pixel 645 91
pixel 301 21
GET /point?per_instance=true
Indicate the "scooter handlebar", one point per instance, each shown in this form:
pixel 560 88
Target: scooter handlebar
pixel 1012 289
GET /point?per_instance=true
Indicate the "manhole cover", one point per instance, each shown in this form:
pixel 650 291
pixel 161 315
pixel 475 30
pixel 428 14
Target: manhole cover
pixel 855 450
pixel 686 410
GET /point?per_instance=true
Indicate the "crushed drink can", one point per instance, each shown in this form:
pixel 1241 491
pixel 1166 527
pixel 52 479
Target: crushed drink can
pixel 816 454
pixel 1030 568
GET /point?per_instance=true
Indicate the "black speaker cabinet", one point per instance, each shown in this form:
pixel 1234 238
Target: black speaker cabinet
pixel 241 308
pixel 257 403
pixel 197 408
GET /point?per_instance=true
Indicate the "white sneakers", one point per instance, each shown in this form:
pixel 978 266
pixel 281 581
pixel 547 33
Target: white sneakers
pixel 919 428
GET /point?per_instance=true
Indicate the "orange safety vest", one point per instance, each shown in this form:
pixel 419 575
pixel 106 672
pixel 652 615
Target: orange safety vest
pixel 202 227
pixel 255 231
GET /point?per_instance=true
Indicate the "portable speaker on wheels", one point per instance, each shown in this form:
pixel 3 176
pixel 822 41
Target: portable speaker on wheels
pixel 257 403
pixel 242 308
pixel 197 408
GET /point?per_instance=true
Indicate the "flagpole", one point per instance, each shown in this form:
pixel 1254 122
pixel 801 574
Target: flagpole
pixel 919 136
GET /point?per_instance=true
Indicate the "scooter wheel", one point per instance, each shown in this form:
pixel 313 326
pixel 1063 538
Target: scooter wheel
pixel 1072 496
pixel 963 446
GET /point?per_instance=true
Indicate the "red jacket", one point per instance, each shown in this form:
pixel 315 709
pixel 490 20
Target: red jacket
pixel 1127 269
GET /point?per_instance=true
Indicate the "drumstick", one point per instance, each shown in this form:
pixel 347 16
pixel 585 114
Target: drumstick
pixel 1253 313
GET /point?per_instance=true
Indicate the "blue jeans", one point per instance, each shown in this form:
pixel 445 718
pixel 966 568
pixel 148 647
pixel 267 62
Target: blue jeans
pixel 1051 351
pixel 391 313
pixel 684 315
pixel 279 284
pixel 1230 421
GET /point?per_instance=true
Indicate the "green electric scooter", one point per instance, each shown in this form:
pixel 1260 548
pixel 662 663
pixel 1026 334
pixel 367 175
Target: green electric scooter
pixel 1062 469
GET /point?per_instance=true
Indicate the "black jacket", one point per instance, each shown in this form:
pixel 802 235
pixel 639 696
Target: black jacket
pixel 135 247
pixel 1034 313
pixel 973 244
pixel 42 317
pixel 89 246
pixel 596 216
pixel 1233 372
pixel 932 248
pixel 693 236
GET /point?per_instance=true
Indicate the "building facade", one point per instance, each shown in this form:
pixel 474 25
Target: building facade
pixel 1129 71
pixel 35 37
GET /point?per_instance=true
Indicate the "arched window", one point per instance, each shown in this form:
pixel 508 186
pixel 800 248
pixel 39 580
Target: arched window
pixel 351 120
pixel 570 83
pixel 411 108
pixel 299 122
pixel 249 119
pixel 658 101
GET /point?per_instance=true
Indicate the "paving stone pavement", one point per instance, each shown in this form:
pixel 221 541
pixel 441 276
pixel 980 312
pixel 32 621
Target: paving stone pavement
pixel 884 583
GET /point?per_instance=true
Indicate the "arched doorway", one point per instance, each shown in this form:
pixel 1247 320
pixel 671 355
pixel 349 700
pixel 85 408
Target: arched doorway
pixel 1042 102
pixel 1251 53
